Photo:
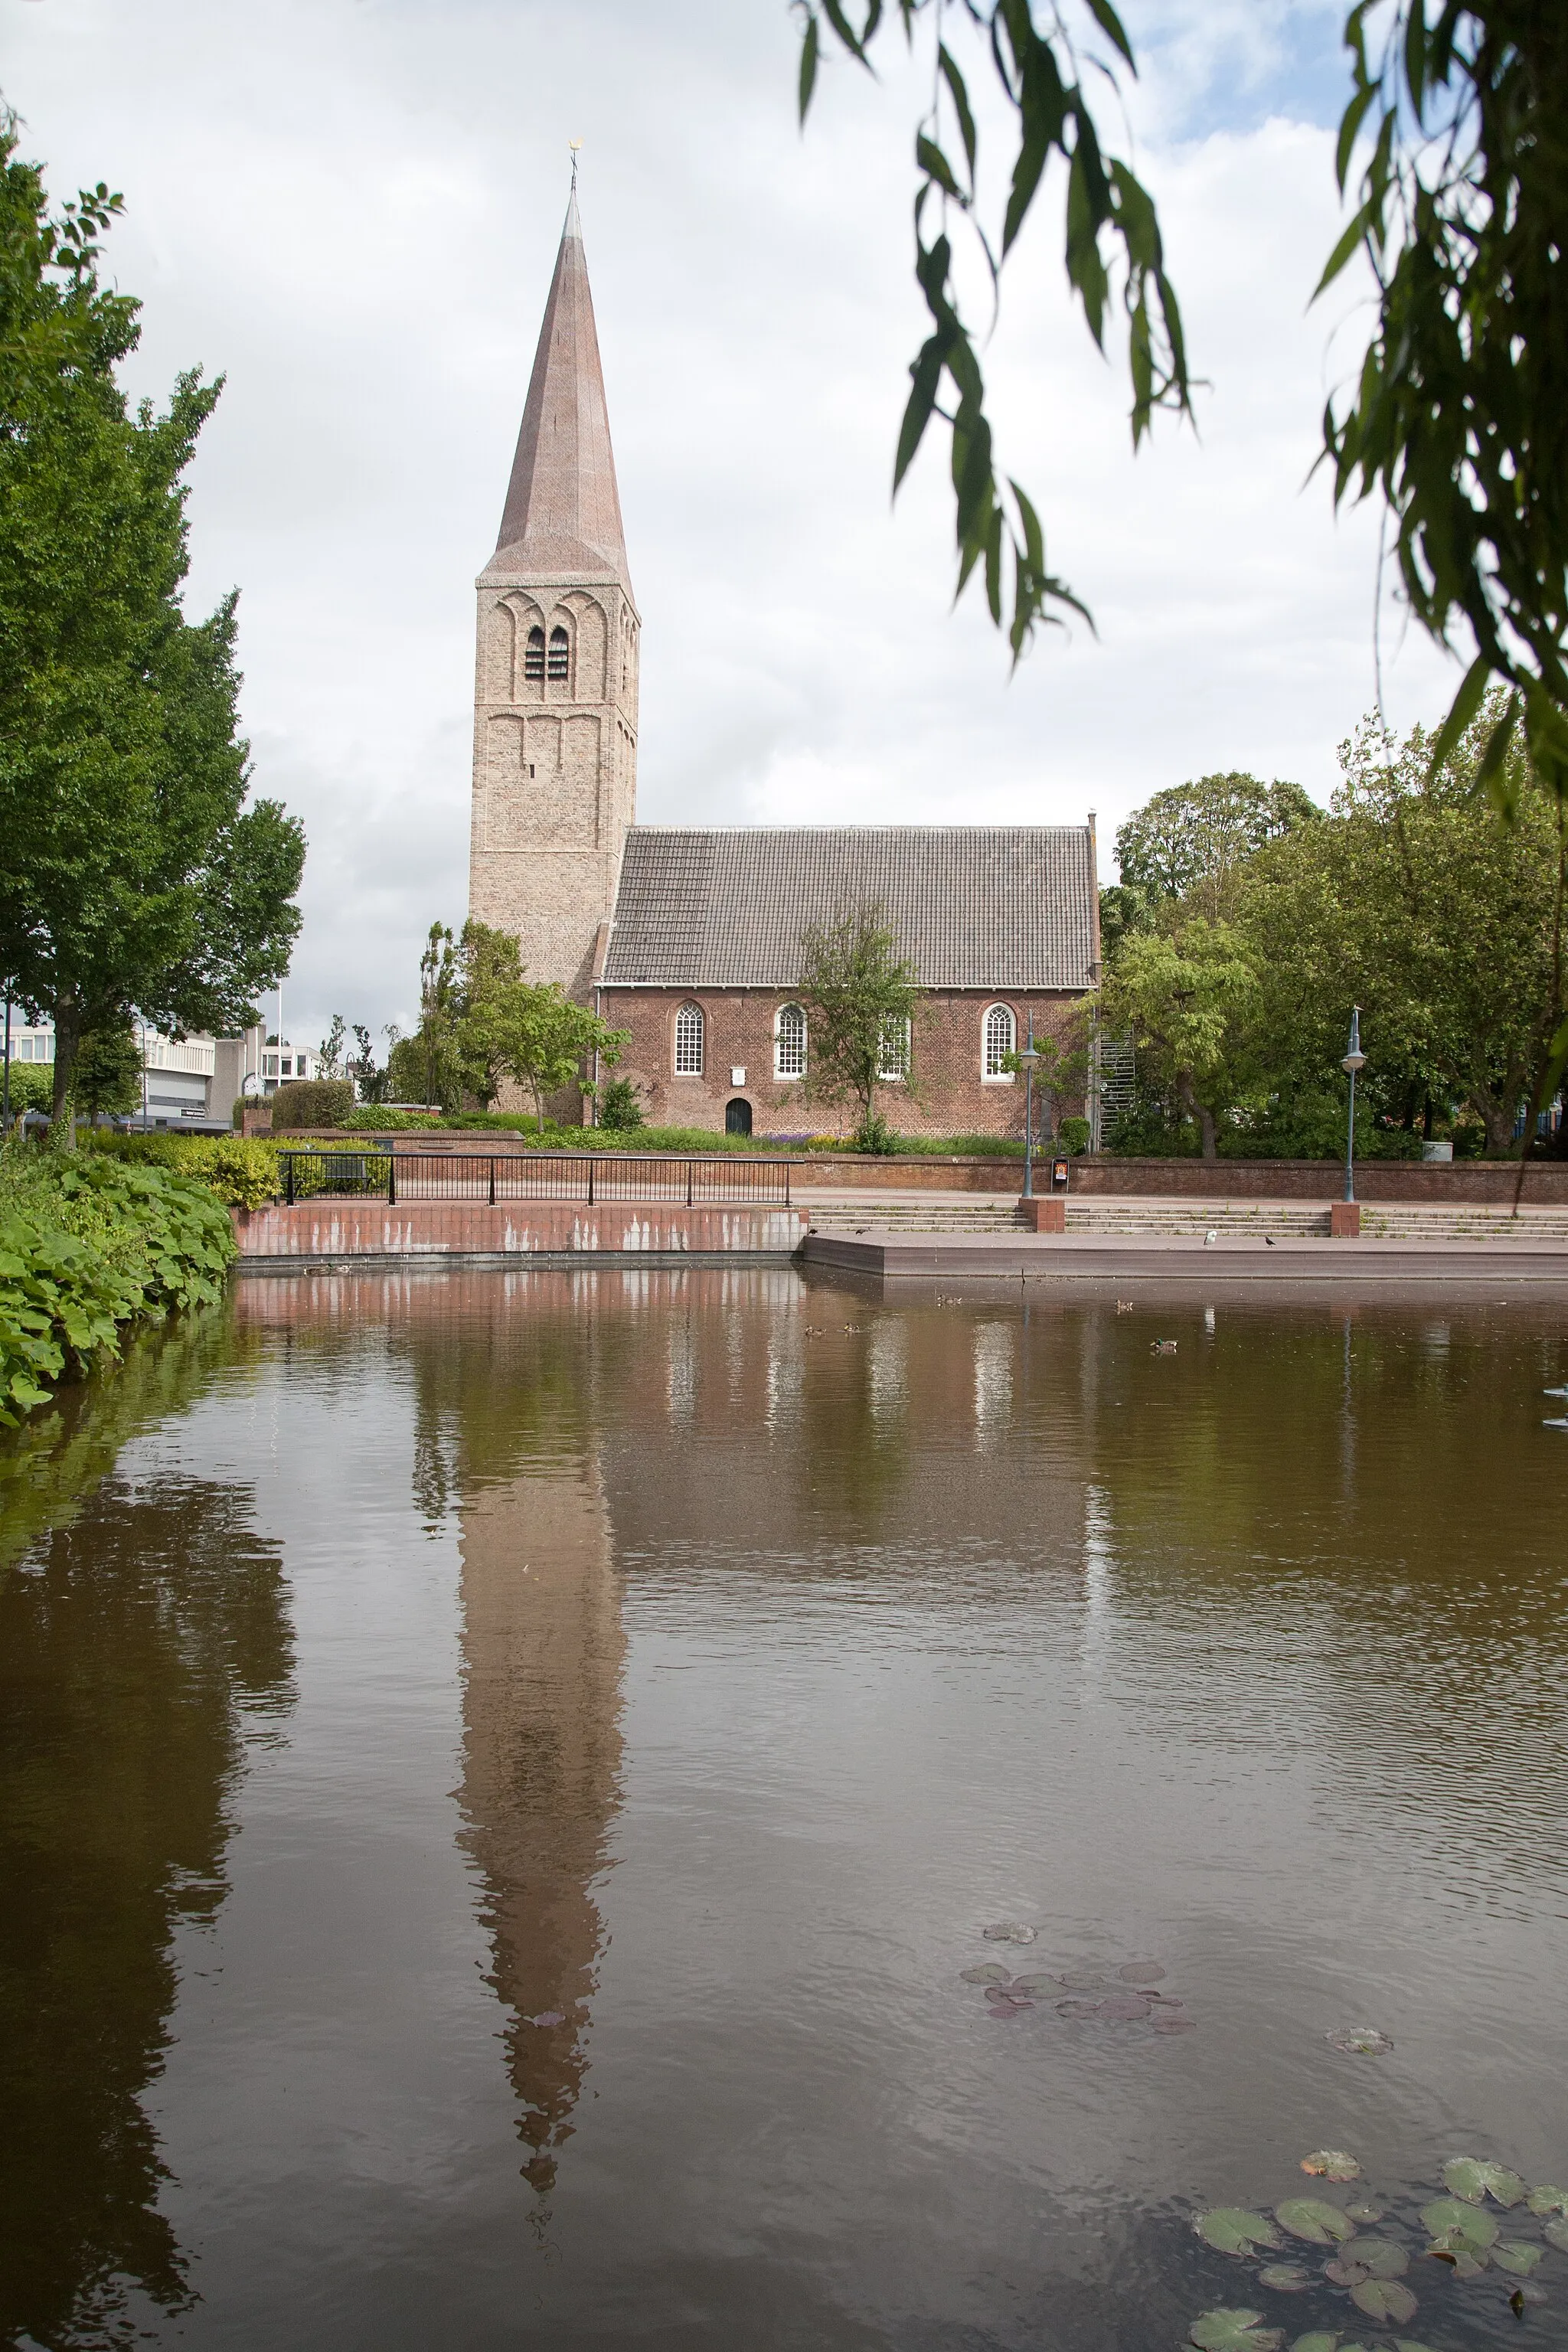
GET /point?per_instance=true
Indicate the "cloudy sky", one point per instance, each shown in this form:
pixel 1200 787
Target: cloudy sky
pixel 351 209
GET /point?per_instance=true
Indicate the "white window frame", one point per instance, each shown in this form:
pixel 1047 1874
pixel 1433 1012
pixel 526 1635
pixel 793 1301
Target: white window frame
pixel 790 1065
pixel 690 1023
pixel 990 1053
pixel 900 1056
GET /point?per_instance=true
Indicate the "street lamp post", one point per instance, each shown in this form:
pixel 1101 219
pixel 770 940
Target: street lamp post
pixel 1028 1057
pixel 1354 1061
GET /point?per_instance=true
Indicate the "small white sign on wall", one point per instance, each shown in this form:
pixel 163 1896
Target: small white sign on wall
pixel 737 1074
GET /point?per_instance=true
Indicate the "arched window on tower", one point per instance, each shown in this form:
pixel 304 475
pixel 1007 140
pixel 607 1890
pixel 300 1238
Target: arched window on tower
pixel 533 654
pixel 1001 1043
pixel 560 652
pixel 688 1042
pixel 789 1043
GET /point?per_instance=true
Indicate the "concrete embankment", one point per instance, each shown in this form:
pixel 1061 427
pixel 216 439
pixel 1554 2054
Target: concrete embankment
pixel 539 1232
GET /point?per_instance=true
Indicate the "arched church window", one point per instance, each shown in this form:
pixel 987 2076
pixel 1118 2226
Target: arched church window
pixel 533 654
pixel 560 652
pixel 688 1042
pixel 789 1043
pixel 1001 1042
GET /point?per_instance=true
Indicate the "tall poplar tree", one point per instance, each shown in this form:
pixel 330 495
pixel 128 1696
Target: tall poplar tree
pixel 133 875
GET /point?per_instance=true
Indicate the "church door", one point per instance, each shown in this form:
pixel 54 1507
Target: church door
pixel 738 1117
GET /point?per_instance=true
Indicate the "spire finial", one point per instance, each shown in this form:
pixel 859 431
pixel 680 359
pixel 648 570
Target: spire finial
pixel 573 144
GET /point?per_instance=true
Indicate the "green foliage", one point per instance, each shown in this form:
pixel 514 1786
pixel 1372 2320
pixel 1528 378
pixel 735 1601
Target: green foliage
pixel 360 1173
pixel 1186 999
pixel 1039 76
pixel 411 1062
pixel 32 1086
pixel 1458 417
pixel 1072 1134
pixel 620 1113
pixel 107 1080
pixel 311 1102
pixel 543 1041
pixel 873 1135
pixel 134 874
pixel 1192 841
pixel 858 993
pixel 87 1245
pixel 240 1171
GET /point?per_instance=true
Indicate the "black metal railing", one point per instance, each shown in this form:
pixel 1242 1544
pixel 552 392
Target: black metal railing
pixel 492 1176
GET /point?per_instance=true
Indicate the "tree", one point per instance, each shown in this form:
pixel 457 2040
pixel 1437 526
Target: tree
pixel 330 1051
pixel 109 1072
pixel 1446 928
pixel 860 997
pixel 1185 1001
pixel 548 1039
pixel 489 968
pixel 135 876
pixel 1192 841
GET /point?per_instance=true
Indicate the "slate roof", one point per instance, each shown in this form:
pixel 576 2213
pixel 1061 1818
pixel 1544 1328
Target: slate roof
pixel 970 906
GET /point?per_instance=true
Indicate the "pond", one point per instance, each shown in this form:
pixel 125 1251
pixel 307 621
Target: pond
pixel 507 1776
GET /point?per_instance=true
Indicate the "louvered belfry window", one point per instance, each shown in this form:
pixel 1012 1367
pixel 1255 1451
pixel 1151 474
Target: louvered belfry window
pixel 688 1042
pixel 560 652
pixel 533 654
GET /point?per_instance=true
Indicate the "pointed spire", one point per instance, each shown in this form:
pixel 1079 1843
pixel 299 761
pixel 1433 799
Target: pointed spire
pixel 563 509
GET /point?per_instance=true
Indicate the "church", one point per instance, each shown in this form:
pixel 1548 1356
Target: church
pixel 690 938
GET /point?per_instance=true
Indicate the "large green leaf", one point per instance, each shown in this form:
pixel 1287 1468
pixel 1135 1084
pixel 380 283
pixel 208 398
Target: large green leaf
pixel 1548 2200
pixel 1312 2217
pixel 1475 2180
pixel 1235 2230
pixel 1385 2299
pixel 1234 2331
pixel 1454 2225
pixel 1517 2256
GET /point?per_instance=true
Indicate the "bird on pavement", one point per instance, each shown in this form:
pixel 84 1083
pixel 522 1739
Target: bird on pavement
pixel 1267 1240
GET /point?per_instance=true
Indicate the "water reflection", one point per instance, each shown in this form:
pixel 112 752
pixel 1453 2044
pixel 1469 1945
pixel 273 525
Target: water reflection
pixel 138 1645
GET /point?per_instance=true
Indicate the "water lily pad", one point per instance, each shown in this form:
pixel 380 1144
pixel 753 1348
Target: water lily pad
pixel 1123 2008
pixel 1166 1999
pixel 1367 2258
pixel 1469 2178
pixel 1385 2299
pixel 1332 2164
pixel 1234 2331
pixel 1360 2040
pixel 1363 2216
pixel 1007 2009
pixel 1236 2230
pixel 1077 2008
pixel 1454 2225
pixel 1548 2200
pixel 1523 2297
pixel 1517 2256
pixel 1086 1981
pixel 1556 2234
pixel 1036 1984
pixel 1465 2263
pixel 1006 1994
pixel 1311 2218
pixel 1164 2024
pixel 1286 2278
pixel 989 1972
pixel 1141 1972
pixel 1009 1931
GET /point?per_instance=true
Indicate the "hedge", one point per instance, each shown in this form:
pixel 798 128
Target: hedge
pixel 240 1171
pixel 86 1247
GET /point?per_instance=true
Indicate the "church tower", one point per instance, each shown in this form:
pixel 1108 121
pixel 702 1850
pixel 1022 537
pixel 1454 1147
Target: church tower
pixel 555 689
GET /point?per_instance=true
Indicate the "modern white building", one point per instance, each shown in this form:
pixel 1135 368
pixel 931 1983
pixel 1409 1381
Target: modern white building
pixel 190 1082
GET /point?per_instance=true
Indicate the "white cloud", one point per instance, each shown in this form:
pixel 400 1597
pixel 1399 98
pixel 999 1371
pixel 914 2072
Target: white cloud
pixel 350 208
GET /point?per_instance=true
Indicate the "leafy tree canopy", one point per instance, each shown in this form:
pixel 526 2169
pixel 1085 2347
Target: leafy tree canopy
pixel 859 996
pixel 135 876
pixel 1191 842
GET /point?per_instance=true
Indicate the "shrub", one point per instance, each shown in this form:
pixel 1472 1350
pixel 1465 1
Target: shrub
pixel 240 1171
pixel 358 1172
pixel 88 1244
pixel 619 1110
pixel 368 1119
pixel 873 1134
pixel 313 1102
pixel 1072 1134
pixel 32 1086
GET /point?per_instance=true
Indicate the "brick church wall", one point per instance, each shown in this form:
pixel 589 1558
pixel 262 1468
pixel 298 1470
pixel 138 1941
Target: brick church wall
pixel 953 1098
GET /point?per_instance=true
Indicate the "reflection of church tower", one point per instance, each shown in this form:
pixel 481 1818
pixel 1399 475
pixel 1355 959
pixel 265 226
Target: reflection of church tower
pixel 541 1751
pixel 555 693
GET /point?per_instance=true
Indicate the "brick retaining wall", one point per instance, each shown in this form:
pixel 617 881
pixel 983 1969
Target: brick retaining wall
pixel 319 1229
